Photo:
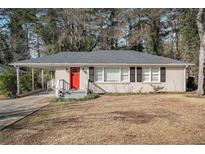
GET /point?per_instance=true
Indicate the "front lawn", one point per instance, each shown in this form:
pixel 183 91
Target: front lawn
pixel 128 119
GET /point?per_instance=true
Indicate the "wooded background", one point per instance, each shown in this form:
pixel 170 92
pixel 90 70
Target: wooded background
pixel 35 32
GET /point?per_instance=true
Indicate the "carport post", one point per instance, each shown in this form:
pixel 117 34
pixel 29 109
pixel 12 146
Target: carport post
pixel 32 73
pixel 42 79
pixel 17 80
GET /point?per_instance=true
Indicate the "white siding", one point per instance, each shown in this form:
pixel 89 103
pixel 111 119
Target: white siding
pixel 61 73
pixel 175 81
pixel 84 75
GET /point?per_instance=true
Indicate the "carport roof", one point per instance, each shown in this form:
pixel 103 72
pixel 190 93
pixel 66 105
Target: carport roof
pixel 104 57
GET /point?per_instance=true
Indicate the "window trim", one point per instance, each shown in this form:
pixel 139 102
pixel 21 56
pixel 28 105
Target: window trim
pixel 150 75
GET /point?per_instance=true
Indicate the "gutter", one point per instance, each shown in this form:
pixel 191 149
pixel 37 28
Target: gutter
pixel 91 64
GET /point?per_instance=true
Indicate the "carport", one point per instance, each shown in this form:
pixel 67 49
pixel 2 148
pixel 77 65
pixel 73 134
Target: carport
pixel 33 68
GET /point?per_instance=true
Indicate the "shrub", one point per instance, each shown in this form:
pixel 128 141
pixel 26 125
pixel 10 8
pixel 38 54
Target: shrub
pixel 8 83
pixel 86 98
pixel 156 88
pixel 25 82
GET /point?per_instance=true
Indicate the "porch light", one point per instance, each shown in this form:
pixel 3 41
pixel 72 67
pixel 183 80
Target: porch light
pixel 84 70
pixel 67 70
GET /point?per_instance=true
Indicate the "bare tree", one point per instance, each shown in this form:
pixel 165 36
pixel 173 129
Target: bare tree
pixel 201 31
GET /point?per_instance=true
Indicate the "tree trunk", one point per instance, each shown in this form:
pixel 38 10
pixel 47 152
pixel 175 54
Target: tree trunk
pixel 177 54
pixel 155 36
pixel 200 90
pixel 200 25
pixel 38 46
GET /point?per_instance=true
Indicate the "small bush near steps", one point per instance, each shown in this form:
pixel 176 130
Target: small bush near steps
pixel 86 98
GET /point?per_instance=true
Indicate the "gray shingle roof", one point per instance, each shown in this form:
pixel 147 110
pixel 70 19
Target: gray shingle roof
pixel 102 57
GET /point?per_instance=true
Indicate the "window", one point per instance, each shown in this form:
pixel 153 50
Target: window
pixel 112 74
pixel 146 74
pixel 151 75
pixel 155 74
pixel 74 70
pixel 124 74
pixel 98 74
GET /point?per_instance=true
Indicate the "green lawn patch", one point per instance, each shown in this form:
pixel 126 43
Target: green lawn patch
pixel 4 139
pixel 50 112
pixel 39 122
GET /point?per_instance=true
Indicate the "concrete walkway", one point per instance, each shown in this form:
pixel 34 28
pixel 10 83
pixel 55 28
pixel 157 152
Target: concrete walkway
pixel 13 110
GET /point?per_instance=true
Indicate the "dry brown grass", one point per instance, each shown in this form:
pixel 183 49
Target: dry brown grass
pixel 131 119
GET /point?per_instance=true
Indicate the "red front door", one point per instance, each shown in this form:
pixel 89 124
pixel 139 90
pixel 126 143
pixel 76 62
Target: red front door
pixel 75 77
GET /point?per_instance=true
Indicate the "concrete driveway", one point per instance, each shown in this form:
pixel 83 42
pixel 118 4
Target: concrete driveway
pixel 13 110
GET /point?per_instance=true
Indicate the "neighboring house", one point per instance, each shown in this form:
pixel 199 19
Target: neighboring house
pixel 113 71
